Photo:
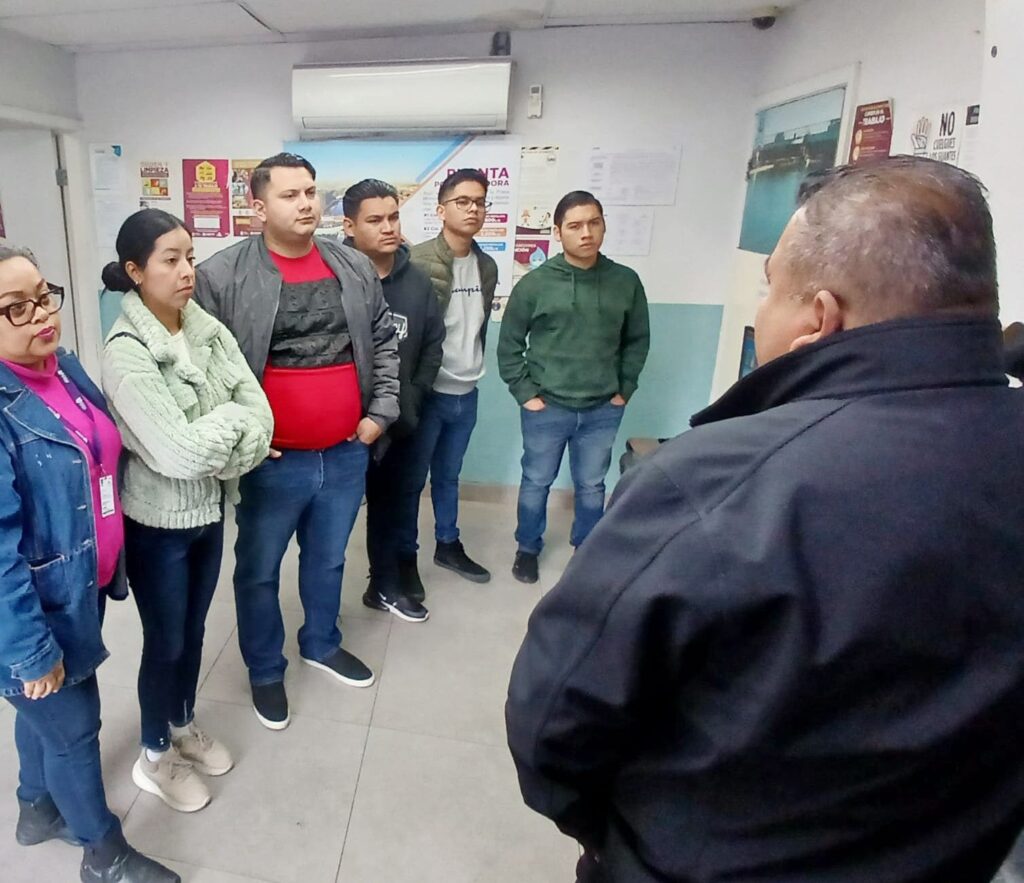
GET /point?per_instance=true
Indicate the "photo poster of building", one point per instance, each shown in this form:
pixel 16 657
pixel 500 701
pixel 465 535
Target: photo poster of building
pixel 416 169
pixel 793 139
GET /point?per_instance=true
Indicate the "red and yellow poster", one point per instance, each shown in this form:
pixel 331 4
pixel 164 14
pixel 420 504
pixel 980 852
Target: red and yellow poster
pixel 242 214
pixel 872 133
pixel 207 197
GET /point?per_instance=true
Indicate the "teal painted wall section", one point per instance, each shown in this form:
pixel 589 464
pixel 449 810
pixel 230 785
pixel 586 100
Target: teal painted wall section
pixel 676 382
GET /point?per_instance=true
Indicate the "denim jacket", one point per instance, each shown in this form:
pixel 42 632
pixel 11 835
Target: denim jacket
pixel 49 606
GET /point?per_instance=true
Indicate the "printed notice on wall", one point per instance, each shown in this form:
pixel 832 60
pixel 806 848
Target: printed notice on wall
pixel 640 176
pixel 154 184
pixel 538 195
pixel 948 134
pixel 207 197
pixel 872 133
pixel 243 215
pixel 110 198
pixel 628 231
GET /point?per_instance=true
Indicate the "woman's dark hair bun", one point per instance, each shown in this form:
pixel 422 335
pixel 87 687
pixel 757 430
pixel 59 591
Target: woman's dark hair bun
pixel 115 278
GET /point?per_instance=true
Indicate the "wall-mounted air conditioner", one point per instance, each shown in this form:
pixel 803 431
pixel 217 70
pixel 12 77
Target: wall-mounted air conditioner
pixel 401 98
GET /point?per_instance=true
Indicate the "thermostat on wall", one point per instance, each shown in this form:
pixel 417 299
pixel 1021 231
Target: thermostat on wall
pixel 535 107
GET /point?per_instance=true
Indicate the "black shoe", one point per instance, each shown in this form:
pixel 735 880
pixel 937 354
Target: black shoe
pixel 453 557
pixel 112 860
pixel 404 608
pixel 371 599
pixel 409 580
pixel 40 821
pixel 345 667
pixel 525 567
pixel 130 866
pixel 270 702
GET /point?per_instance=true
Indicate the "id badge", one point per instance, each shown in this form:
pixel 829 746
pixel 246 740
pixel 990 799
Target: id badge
pixel 106 496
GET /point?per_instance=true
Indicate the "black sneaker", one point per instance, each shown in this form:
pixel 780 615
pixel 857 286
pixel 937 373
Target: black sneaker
pixel 409 580
pixel 452 556
pixel 371 599
pixel 525 567
pixel 40 821
pixel 270 702
pixel 405 608
pixel 345 667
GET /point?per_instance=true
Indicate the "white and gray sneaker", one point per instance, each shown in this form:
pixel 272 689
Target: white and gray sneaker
pixel 172 779
pixel 205 753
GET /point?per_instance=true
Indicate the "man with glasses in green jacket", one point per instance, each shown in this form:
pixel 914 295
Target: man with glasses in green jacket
pixel 464 279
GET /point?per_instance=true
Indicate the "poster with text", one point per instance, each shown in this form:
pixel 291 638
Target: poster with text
pixel 154 184
pixel 416 169
pixel 793 140
pixel 207 197
pixel 538 196
pixel 243 216
pixel 872 133
pixel 634 176
pixel 948 134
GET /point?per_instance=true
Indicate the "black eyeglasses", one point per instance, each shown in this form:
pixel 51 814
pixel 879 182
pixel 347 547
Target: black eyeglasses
pixel 462 203
pixel 21 312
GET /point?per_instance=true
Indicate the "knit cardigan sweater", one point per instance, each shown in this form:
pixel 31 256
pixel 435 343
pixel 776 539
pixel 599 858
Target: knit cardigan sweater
pixel 188 425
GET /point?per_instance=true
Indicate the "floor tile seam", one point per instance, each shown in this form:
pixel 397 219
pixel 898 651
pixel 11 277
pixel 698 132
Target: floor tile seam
pixel 220 653
pixel 362 757
pixel 458 740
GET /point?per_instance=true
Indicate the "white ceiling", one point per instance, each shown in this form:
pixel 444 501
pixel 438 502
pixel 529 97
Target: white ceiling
pixel 83 25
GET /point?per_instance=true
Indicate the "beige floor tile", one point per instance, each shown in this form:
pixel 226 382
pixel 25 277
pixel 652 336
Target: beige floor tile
pixel 440 811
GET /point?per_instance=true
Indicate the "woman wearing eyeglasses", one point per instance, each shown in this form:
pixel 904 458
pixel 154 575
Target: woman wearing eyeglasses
pixel 192 416
pixel 61 539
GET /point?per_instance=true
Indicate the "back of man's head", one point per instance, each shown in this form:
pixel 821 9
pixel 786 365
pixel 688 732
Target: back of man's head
pixel 903 237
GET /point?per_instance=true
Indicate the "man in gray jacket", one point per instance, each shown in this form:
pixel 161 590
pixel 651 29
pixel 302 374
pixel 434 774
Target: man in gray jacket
pixel 312 322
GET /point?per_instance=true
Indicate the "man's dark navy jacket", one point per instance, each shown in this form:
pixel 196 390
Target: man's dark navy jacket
pixel 793 649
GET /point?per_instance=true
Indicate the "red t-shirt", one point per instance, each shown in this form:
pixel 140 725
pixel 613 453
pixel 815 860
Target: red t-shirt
pixel 318 406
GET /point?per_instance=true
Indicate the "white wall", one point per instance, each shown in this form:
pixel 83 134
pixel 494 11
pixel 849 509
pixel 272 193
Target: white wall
pixel 686 84
pixel 920 53
pixel 33 214
pixel 36 77
pixel 1002 137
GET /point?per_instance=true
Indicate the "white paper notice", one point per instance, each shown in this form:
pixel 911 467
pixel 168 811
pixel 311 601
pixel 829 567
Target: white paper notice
pixel 629 231
pixel 110 214
pixel 641 176
pixel 107 167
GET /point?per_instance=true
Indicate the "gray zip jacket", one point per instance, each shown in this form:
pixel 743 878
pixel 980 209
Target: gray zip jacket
pixel 242 288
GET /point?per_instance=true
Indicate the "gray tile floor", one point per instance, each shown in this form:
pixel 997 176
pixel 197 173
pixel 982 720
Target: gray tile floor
pixel 407 781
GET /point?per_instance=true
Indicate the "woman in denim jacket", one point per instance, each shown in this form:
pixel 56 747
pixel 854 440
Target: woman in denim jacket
pixel 61 539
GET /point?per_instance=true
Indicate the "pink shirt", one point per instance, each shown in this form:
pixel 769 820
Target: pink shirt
pixel 110 530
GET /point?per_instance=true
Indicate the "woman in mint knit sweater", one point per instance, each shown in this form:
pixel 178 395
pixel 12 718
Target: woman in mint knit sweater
pixel 193 417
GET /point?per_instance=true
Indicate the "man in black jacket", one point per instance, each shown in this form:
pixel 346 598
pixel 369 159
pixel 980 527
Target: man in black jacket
pixel 793 649
pixel 374 227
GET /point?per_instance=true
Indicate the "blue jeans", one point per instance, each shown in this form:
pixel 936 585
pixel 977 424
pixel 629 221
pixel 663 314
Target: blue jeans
pixel 58 742
pixel 590 436
pixel 439 447
pixel 312 494
pixel 173 575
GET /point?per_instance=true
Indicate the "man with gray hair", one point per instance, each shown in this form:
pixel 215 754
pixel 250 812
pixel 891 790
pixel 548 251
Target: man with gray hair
pixel 809 664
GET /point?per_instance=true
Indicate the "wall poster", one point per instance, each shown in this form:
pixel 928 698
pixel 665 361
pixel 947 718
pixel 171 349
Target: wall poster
pixel 416 169
pixel 538 196
pixel 872 133
pixel 243 216
pixel 207 197
pixel 154 184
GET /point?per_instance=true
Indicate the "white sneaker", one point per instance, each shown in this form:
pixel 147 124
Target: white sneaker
pixel 205 753
pixel 172 779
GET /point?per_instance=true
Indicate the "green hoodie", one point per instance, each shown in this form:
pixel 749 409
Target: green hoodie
pixel 574 337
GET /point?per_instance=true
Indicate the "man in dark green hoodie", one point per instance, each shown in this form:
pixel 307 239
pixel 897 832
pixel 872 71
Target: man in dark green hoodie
pixel 574 339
